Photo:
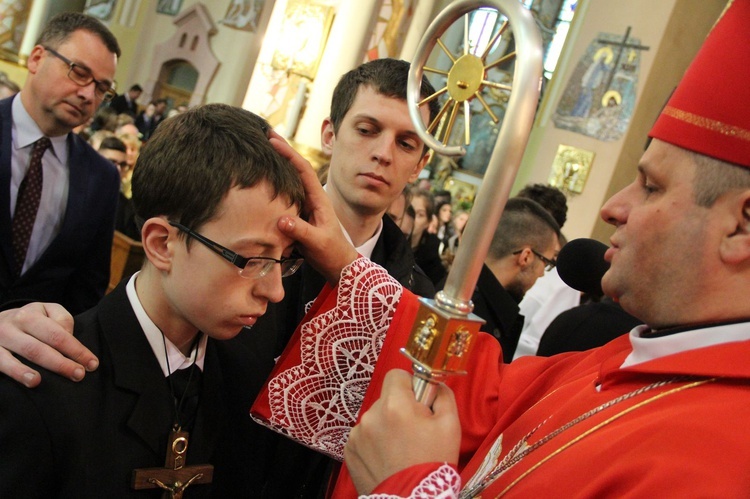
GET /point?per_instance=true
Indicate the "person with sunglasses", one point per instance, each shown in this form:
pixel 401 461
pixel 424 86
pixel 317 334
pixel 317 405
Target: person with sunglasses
pixel 58 195
pixel 524 244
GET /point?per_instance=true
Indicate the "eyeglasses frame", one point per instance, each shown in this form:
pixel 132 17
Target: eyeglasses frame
pixel 548 264
pixel 238 260
pixel 106 96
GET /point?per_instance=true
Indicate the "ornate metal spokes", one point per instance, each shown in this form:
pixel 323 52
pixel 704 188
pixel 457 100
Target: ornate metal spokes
pixel 465 81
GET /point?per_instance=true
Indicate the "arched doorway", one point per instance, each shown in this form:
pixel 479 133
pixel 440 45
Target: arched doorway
pixel 177 80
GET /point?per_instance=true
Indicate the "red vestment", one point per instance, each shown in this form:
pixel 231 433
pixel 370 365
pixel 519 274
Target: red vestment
pixel 670 427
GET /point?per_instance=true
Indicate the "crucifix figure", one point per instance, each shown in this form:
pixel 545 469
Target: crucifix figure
pixel 174 477
pixel 620 49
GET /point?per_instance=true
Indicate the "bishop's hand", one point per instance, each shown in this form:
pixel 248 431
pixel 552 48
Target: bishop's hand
pixel 398 432
pixel 321 240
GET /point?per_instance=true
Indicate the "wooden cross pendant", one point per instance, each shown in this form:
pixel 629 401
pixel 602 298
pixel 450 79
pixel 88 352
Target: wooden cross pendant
pixel 174 477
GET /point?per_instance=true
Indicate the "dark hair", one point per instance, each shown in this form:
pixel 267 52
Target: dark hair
pixel 387 77
pixel 551 198
pixel 113 143
pixel 105 118
pixel 409 211
pixel 524 222
pixel 443 195
pixel 60 27
pixel 429 201
pixel 193 159
pixel 137 88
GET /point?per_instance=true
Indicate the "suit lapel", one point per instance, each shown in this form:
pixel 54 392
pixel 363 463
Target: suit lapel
pixel 136 370
pixel 6 146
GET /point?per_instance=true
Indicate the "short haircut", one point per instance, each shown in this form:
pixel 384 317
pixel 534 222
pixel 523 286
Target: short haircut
pixel 387 77
pixel 714 177
pixel 193 159
pixel 113 143
pixel 136 88
pixel 60 27
pixel 551 198
pixel 524 223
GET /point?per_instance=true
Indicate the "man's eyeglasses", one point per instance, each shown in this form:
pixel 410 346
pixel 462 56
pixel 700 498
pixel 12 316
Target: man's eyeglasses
pixel 123 165
pixel 253 267
pixel 82 76
pixel 548 264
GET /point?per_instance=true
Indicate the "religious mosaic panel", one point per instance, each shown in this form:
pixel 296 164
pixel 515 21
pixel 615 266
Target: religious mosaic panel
pixel 243 14
pixel 601 93
pixel 390 29
pixel 101 9
pixel 13 17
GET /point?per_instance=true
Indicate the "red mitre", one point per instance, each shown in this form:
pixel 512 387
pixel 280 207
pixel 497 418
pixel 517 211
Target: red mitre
pixel 709 112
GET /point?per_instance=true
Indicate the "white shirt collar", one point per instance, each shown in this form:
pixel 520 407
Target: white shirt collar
pixel 177 360
pixel 28 132
pixel 645 349
pixel 368 246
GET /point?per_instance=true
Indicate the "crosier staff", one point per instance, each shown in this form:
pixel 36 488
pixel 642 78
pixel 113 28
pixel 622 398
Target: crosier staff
pixel 442 333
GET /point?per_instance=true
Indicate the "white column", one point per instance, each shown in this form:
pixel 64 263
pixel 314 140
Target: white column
pixel 344 51
pixel 34 27
pixel 423 15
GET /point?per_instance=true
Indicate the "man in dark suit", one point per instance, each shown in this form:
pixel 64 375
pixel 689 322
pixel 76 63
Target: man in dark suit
pixel 64 254
pixel 127 102
pixel 524 243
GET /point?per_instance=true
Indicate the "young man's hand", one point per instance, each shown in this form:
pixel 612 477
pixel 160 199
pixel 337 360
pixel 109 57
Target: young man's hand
pixel 42 333
pixel 321 239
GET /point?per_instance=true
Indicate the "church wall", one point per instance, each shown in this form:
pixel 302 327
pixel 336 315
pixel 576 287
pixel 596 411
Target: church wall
pixel 236 49
pixel 673 30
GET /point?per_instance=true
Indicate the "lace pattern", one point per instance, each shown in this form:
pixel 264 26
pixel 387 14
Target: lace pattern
pixel 317 402
pixel 443 483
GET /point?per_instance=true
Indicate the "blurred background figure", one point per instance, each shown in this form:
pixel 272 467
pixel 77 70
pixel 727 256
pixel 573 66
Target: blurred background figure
pixel 424 243
pixel 150 118
pixel 95 139
pixel 459 223
pixel 114 149
pixel 523 246
pixel 445 229
pixel 397 209
pixel 127 102
pixel 550 295
pixel 407 224
pixel 8 88
pixel 133 149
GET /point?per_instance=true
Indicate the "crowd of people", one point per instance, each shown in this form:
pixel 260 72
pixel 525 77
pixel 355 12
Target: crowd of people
pixel 296 314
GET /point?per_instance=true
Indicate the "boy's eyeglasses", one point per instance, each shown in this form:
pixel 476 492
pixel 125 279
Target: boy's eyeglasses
pixel 253 267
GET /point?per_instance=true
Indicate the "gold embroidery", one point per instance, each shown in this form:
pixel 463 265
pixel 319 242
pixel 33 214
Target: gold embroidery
pixel 602 424
pixel 707 123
